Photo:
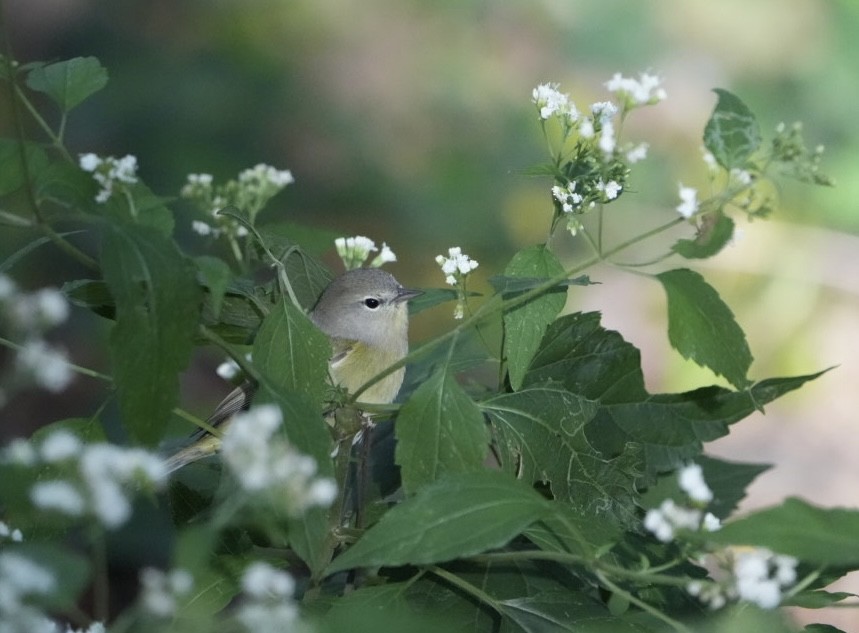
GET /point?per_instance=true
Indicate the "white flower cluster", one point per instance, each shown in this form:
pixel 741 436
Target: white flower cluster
pixel 551 102
pixel 109 171
pixel 268 603
pixel 646 90
pixel 11 534
pixel 666 520
pixel 22 580
pixel 754 575
pixel 263 462
pixel 28 316
pixel 249 192
pixel 355 250
pixel 456 265
pixel 99 476
pixel 601 162
pixel 162 591
pixel 688 201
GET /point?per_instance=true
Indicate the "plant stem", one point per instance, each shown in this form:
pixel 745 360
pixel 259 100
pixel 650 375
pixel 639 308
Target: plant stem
pixel 656 613
pixel 467 587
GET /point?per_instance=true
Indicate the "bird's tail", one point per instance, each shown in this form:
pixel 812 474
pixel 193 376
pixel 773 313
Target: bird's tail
pixel 203 447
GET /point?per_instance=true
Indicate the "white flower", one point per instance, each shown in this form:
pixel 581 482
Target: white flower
pixel 262 462
pixel 610 189
pixel 47 366
pixel 586 129
pixel 688 201
pixel 261 580
pixel 8 533
pixel 664 521
pixel 202 228
pixel 89 162
pixel 385 255
pixel 95 627
pixel 21 452
pixel 645 90
pixel 691 480
pixel 58 495
pixel 549 100
pixel 161 590
pixel 25 577
pixel 108 171
pixel 567 196
pixel 51 306
pixel 354 250
pixel 7 287
pixel 456 265
pixel 741 176
pixel 711 522
pixel 267 618
pixel 603 111
pixel 754 580
pixel 637 153
pixel 709 159
pixel 607 141
pixel 60 445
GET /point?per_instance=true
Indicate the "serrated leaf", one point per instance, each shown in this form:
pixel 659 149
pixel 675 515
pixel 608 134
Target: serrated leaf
pixel 216 276
pixel 588 360
pixel 157 311
pixel 567 529
pixel 673 427
pixel 69 82
pixel 714 233
pixel 702 327
pixel 732 133
pixel 457 516
pixel 67 182
pixel 540 437
pixel 439 430
pixel 525 325
pixel 13 174
pixel 815 535
pixel 292 352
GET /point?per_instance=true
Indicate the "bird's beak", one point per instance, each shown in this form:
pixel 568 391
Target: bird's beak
pixel 404 294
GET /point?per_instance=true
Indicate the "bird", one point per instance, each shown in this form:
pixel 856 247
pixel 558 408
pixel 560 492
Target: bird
pixel 364 313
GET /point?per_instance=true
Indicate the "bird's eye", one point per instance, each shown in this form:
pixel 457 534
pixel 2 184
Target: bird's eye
pixel 372 303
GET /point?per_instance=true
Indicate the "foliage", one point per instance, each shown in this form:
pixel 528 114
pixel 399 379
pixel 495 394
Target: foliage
pixel 547 501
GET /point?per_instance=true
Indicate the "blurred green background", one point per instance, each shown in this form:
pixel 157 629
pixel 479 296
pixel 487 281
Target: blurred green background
pixel 410 122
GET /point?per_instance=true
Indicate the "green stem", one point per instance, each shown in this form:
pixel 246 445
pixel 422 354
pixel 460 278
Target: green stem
pixel 656 613
pixel 246 367
pixel 85 371
pixel 467 587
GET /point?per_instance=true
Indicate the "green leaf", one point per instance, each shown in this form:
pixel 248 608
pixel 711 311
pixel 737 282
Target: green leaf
pixel 307 431
pixel 588 360
pixel 157 310
pixel 216 276
pixel 567 529
pixel 149 209
pixel 714 233
pixel 525 325
pixel 702 328
pixel 69 82
pixel 13 175
pixel 68 183
pixel 292 352
pixel 458 516
pixel 673 427
pixel 727 480
pixel 439 430
pixel 374 609
pixel 732 134
pixel 512 286
pixel 818 599
pixel 540 437
pixel 815 535
pixel 28 248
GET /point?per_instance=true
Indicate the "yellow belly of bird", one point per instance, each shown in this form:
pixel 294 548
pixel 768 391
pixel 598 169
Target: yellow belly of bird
pixel 361 364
